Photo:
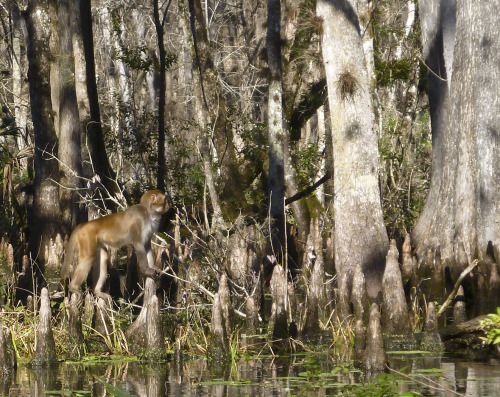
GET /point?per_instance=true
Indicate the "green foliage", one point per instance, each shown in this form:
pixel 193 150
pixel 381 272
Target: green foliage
pixel 309 29
pixel 405 151
pixel 135 58
pixel 389 71
pixel 492 327
pixel 308 163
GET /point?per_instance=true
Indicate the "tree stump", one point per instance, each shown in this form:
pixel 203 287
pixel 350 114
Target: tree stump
pixel 54 252
pixel 244 255
pixel 225 301
pixel 375 355
pixel 316 295
pixel 88 310
pixel 155 341
pixel 431 340
pixel 359 297
pixel 7 271
pixel 103 325
pixel 408 263
pixel 75 340
pixel 251 321
pixel 145 335
pixel 395 317
pixel 219 347
pixel 221 323
pixel 279 315
pixel 359 341
pixel 8 361
pixel 45 350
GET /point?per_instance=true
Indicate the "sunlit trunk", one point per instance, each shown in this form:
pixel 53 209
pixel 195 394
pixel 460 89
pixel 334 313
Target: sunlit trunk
pixel 360 235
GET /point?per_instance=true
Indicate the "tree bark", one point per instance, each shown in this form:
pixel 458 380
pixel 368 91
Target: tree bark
pixel 279 312
pixel 360 235
pixel 160 177
pixel 95 136
pixel 276 131
pixel 8 360
pixel 460 220
pixel 45 221
pixel 45 350
pixel 395 318
pixel 19 87
pixel 69 120
pixel 375 355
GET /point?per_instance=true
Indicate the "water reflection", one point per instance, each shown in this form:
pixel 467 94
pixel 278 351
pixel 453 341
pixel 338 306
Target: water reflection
pixel 306 375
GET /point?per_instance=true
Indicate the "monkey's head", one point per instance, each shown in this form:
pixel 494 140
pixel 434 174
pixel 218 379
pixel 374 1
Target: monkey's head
pixel 155 201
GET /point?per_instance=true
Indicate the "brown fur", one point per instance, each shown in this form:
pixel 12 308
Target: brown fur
pixel 92 240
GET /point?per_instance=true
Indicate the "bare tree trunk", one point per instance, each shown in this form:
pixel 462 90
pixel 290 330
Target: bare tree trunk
pixel 160 178
pixel 75 339
pixel 460 219
pixel 69 120
pixel 375 355
pixel 45 222
pixel 276 131
pixel 45 351
pixel 95 136
pixel 18 86
pixel 315 280
pixel 360 235
pixel 395 316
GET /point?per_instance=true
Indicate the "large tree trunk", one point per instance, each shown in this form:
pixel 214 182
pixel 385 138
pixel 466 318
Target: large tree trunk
pixel 19 87
pixel 360 235
pixel 45 220
pixel 95 136
pixel 69 120
pixel 275 130
pixel 460 220
pixel 160 177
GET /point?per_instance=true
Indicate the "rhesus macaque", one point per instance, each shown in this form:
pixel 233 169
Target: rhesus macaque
pixel 136 225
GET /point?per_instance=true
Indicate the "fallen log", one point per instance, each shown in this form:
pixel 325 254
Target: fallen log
pixel 465 328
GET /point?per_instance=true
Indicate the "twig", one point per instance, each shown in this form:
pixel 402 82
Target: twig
pixel 431 384
pixel 432 71
pixel 456 287
pixel 197 285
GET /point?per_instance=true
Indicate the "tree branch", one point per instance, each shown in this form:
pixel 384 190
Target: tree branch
pixel 455 288
pixel 308 190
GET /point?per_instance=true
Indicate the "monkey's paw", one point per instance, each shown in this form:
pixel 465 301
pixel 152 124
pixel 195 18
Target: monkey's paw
pixel 152 272
pixel 104 296
pixel 76 299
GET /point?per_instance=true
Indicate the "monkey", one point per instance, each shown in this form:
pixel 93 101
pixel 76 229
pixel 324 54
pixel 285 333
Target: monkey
pixel 92 240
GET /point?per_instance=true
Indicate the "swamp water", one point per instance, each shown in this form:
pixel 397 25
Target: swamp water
pixel 297 375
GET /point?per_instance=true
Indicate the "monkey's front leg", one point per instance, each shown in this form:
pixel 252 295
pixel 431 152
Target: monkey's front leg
pixel 146 262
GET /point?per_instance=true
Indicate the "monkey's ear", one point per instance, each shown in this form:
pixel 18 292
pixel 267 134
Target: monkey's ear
pixel 153 198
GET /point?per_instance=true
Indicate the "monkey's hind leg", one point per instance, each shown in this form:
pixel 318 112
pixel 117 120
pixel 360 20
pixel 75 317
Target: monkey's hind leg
pixel 103 273
pixel 79 276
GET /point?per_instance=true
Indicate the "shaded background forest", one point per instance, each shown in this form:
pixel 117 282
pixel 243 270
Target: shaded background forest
pixel 126 96
pixel 127 73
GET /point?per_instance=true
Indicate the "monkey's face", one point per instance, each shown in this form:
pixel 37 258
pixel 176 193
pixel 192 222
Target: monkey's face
pixel 158 202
